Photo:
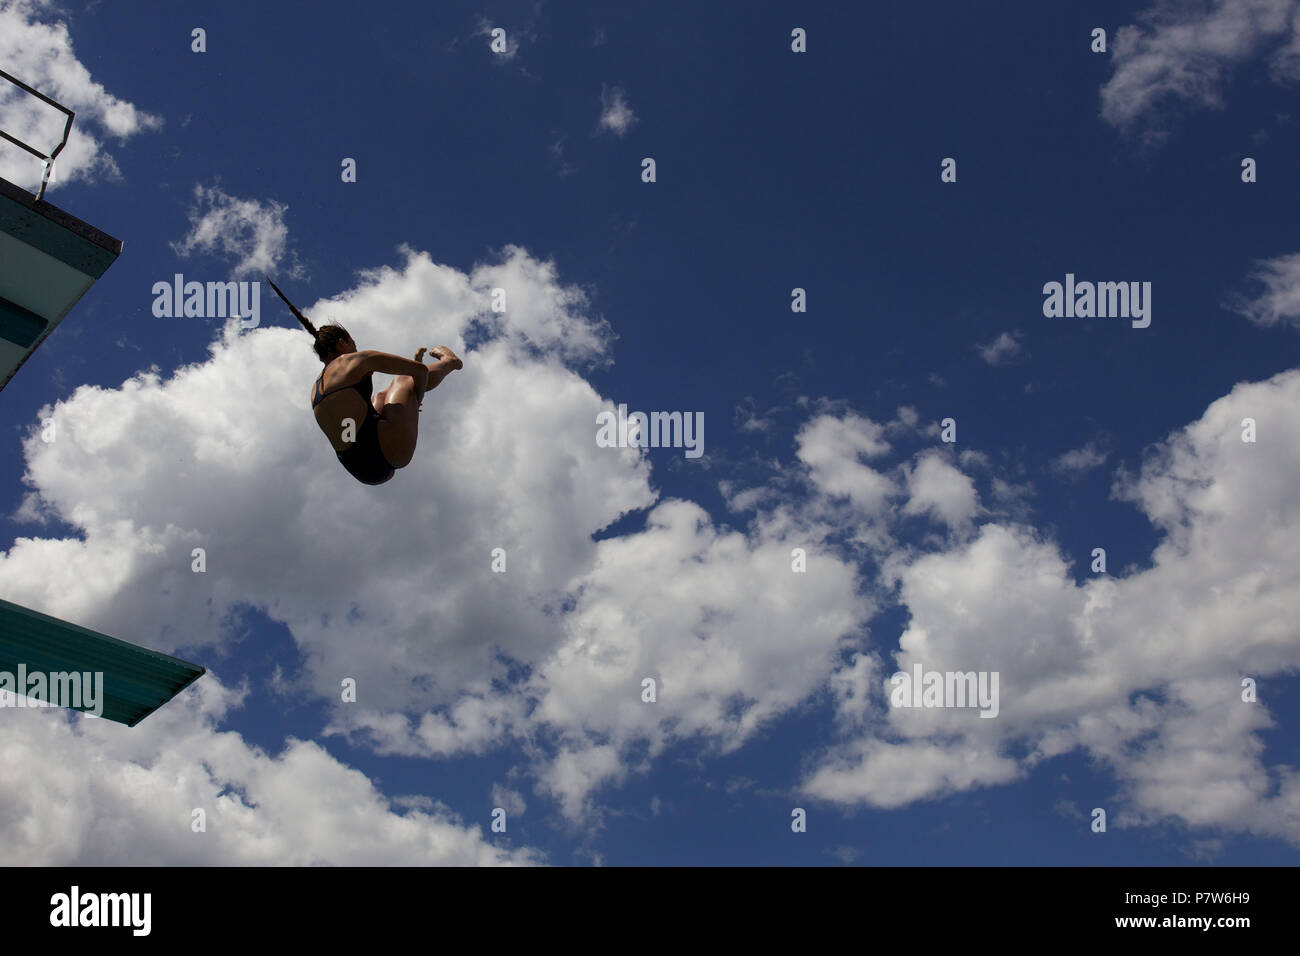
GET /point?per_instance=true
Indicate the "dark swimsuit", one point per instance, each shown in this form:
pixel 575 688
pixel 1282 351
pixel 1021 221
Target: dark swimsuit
pixel 364 460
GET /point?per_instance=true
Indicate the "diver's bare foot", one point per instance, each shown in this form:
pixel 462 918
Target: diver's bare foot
pixel 447 355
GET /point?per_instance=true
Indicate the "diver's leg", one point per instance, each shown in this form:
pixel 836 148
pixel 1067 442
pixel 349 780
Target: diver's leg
pixel 399 424
pixel 448 361
pixel 399 421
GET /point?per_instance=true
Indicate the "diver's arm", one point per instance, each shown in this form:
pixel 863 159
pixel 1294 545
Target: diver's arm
pixel 371 361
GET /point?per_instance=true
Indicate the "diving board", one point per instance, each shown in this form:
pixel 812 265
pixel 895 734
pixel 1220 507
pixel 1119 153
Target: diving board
pixel 48 257
pixel 135 680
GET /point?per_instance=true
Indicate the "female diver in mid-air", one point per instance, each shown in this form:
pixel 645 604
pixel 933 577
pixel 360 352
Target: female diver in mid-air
pixel 372 437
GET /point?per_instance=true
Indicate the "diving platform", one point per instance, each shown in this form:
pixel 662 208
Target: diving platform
pixel 49 258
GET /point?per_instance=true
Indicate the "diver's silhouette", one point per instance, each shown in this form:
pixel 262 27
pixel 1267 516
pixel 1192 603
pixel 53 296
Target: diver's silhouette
pixel 373 435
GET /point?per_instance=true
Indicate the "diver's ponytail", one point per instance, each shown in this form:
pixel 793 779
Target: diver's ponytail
pixel 294 309
pixel 325 341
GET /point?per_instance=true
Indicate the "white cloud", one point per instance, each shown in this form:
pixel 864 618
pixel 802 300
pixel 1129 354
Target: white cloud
pixel 731 636
pixel 615 114
pixel 709 612
pixel 1001 350
pixel 250 233
pixel 831 448
pixel 1078 460
pixel 347 569
pixel 856 688
pixel 36 47
pixel 1143 672
pixel 1279 301
pixel 1284 64
pixel 1185 53
pixel 92 793
pixel 223 465
pixel 893 775
pixel 937 488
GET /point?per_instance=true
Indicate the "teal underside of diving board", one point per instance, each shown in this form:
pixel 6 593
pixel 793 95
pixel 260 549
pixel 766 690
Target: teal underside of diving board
pixel 136 680
pixel 20 326
pixel 56 233
pixel 48 261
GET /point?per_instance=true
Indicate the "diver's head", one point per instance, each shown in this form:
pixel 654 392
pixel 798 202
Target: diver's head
pixel 333 341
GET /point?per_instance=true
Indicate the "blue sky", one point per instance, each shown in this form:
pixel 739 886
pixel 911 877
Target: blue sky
pixel 775 170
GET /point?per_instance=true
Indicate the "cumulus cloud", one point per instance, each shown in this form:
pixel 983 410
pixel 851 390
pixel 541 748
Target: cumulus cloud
pixel 1184 53
pixel 36 48
pixel 90 792
pixel 1278 302
pixel 1142 672
pixel 288 533
pixel 893 775
pixel 831 447
pixel 224 465
pixel 731 637
pixel 939 489
pixel 248 233
pixel 508 460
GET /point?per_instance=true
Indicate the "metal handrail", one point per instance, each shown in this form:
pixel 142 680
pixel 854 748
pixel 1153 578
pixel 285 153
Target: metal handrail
pixel 50 157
